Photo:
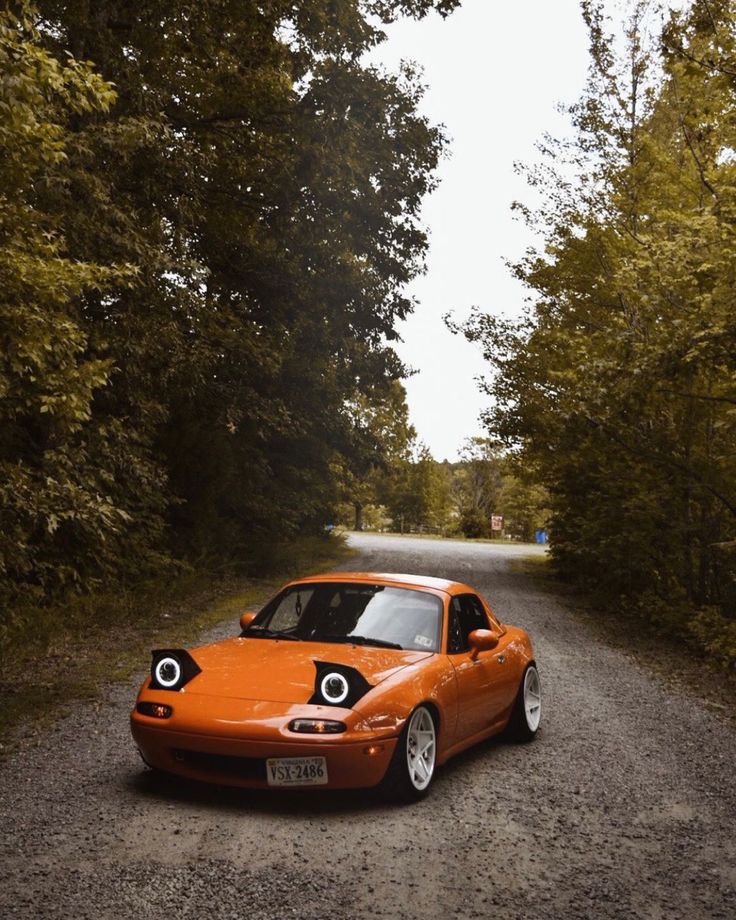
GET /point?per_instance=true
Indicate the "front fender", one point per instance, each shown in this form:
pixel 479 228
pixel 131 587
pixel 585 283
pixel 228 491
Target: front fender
pixel 387 706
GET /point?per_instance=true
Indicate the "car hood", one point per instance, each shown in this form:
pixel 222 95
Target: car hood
pixel 284 671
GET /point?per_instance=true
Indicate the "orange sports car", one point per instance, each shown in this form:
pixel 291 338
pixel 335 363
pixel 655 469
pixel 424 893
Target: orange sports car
pixel 340 681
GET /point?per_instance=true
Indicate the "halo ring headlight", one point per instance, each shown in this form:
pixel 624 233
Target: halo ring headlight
pixel 334 687
pixel 168 672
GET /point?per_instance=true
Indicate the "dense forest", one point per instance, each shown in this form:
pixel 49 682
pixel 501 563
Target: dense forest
pixel 208 214
pixel 619 385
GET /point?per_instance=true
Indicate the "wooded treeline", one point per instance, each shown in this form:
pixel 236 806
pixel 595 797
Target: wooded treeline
pixel 619 387
pixel 208 213
pixel 402 488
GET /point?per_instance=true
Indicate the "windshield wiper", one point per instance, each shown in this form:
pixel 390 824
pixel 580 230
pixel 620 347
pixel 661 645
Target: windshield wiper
pixel 357 640
pixel 263 632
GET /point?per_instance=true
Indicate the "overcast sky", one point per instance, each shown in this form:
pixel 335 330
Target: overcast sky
pixel 495 73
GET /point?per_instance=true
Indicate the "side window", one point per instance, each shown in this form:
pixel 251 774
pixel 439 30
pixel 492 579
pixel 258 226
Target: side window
pixel 474 613
pixel 454 633
pixel 466 614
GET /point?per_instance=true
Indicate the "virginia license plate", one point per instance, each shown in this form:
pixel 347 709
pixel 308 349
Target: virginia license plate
pixel 296 771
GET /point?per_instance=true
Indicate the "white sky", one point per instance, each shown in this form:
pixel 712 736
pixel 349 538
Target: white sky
pixel 495 72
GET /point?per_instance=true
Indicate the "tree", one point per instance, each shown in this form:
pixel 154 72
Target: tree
pixel 231 231
pixel 477 486
pixel 417 495
pixel 523 502
pixel 59 514
pixel 619 385
pixel 381 439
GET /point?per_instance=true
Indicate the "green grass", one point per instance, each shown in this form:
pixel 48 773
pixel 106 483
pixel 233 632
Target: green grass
pixel 533 563
pixel 52 656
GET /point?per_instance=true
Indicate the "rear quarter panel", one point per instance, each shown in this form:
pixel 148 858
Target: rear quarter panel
pixel 517 647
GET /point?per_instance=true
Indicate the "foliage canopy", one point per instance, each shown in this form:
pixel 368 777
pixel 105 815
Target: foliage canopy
pixel 619 387
pixel 209 213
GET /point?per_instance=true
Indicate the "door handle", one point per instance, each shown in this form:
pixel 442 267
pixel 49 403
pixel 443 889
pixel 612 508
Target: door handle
pixel 500 658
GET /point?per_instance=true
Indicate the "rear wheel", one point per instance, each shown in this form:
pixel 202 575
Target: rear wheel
pixel 527 711
pixel 412 766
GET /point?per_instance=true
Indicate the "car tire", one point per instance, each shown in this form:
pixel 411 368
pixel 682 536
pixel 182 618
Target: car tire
pixel 411 770
pixel 526 714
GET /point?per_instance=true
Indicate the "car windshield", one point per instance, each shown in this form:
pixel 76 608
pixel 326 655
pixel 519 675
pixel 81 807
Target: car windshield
pixel 362 613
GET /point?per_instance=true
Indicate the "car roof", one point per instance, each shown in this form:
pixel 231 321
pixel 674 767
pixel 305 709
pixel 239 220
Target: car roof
pixel 388 578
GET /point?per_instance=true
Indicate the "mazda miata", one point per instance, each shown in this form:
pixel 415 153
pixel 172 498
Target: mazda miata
pixel 340 681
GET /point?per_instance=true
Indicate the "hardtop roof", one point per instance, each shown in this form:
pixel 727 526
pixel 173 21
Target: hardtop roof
pixel 389 578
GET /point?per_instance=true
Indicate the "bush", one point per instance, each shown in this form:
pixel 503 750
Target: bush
pixel 715 635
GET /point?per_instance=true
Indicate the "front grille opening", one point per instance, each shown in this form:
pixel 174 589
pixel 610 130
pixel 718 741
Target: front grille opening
pixel 244 767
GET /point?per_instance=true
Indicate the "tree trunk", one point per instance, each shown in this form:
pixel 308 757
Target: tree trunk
pixel 358 515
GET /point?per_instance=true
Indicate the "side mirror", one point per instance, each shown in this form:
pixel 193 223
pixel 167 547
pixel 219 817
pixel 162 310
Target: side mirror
pixel 247 618
pixel 481 640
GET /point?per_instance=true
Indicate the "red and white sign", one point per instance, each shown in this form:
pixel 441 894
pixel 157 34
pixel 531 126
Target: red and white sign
pixel 496 522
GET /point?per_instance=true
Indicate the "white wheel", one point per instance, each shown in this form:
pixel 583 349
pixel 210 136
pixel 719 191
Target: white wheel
pixel 410 773
pixel 532 698
pixel 527 711
pixel 421 749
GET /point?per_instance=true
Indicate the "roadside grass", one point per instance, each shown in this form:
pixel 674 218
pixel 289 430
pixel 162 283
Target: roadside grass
pixel 56 655
pixel 678 663
pixel 537 561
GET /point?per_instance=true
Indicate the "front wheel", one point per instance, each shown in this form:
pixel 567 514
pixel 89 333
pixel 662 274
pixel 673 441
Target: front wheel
pixel 411 770
pixel 527 711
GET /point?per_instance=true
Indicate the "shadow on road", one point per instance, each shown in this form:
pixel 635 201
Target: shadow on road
pixel 306 803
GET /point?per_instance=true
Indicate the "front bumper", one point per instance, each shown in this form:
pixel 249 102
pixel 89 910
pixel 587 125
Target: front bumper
pixel 230 746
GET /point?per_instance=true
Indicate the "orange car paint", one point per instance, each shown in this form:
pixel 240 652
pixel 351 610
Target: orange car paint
pixel 250 690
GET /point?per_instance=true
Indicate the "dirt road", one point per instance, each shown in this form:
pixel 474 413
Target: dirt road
pixel 623 807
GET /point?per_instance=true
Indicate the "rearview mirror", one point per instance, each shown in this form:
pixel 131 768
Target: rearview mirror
pixel 247 618
pixel 481 640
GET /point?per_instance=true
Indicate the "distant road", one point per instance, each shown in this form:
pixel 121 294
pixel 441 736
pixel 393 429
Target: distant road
pixel 623 807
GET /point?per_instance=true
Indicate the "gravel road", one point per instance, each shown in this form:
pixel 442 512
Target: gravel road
pixel 623 807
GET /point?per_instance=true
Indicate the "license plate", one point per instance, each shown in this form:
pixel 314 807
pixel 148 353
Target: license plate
pixel 296 771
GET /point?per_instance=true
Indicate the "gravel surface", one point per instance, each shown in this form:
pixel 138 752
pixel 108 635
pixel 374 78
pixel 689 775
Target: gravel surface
pixel 623 807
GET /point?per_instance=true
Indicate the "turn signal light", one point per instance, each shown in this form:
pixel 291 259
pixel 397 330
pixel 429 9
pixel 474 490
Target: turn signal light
pixel 317 726
pixel 373 749
pixel 157 710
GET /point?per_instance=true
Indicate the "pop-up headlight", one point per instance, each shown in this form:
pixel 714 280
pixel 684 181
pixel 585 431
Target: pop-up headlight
pixel 172 668
pixel 338 685
pixel 334 687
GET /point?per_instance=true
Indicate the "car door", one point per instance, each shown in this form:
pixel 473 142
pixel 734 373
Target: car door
pixel 506 685
pixel 481 681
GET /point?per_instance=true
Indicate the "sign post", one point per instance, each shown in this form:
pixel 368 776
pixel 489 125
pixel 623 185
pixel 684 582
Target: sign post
pixel 496 523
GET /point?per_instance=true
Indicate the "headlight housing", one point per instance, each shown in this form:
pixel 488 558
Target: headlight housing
pixel 338 685
pixel 172 668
